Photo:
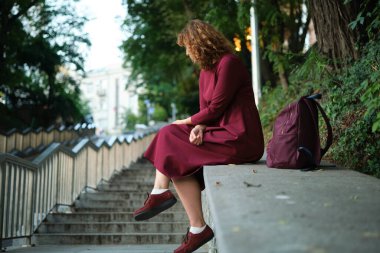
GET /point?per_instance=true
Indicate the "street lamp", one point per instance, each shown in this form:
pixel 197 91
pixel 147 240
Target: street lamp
pixel 255 55
pixel 174 111
pixel 148 105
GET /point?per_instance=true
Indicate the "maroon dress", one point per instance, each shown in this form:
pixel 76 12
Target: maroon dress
pixel 233 133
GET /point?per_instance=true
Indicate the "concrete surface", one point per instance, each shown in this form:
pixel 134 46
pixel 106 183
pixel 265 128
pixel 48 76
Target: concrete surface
pixel 258 209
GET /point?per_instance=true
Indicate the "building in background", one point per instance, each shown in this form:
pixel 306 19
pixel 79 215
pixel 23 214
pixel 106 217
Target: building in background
pixel 108 99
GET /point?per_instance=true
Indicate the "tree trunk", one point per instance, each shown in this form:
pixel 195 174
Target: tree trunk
pixel 267 74
pixel 335 38
pixel 283 80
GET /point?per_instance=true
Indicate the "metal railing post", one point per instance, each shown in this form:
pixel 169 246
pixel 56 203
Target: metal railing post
pixel 33 209
pixel 2 205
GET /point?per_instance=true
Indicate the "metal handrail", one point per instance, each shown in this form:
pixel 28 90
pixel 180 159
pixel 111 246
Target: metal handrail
pixel 29 190
pixel 22 139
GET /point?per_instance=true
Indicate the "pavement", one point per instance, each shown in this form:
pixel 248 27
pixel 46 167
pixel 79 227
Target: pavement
pixel 264 210
pixel 168 248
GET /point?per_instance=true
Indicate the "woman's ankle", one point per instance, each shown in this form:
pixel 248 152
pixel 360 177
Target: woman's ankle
pixel 198 224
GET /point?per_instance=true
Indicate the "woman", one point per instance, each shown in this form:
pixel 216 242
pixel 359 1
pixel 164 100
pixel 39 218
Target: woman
pixel 226 130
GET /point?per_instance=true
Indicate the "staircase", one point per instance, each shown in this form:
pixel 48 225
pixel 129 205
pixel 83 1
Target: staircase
pixel 104 215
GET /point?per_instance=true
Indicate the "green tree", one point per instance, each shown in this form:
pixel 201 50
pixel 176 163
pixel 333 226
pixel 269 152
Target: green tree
pixel 343 66
pixel 157 62
pixel 283 25
pixel 159 114
pixel 130 120
pixel 163 68
pixel 40 42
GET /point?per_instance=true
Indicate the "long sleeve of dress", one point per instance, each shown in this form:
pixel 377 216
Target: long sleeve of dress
pixel 202 102
pixel 225 90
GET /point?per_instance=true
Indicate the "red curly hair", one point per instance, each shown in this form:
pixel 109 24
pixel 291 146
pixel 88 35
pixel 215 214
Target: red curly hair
pixel 204 43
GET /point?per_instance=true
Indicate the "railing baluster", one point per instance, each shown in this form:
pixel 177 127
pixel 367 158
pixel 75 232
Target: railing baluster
pixel 17 200
pixel 2 204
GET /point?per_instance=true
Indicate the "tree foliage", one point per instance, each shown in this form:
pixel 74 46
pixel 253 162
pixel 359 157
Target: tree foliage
pixel 157 62
pixel 283 25
pixel 350 86
pixel 40 43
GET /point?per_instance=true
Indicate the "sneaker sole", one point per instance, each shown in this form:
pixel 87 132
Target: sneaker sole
pixel 153 212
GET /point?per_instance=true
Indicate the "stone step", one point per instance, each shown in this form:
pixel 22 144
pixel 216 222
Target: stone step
pixel 132 179
pixel 140 171
pixel 140 167
pixel 135 183
pixel 167 216
pixel 133 203
pixel 107 238
pixel 127 188
pixel 95 208
pixel 134 173
pixel 114 227
pixel 85 203
pixel 103 195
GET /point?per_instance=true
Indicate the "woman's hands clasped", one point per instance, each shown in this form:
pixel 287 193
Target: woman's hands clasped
pixel 196 135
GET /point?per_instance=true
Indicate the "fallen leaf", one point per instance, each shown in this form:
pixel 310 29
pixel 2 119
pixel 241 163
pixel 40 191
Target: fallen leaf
pixel 371 234
pixel 282 222
pixel 282 197
pixel 251 185
pixel 355 197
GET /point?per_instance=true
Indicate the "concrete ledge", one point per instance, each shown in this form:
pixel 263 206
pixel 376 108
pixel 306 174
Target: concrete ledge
pixel 257 209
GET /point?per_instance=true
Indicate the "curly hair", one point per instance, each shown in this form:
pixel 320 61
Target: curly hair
pixel 205 44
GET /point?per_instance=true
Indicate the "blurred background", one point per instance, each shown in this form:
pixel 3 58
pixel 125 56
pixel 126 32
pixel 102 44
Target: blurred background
pixel 116 63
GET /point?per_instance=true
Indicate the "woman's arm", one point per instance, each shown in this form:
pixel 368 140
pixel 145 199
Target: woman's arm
pixel 225 90
pixel 186 121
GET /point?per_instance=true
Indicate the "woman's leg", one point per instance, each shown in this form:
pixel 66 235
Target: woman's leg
pixel 161 181
pixel 158 201
pixel 189 191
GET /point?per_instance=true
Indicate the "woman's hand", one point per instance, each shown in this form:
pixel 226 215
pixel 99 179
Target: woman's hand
pixel 196 135
pixel 183 121
pixel 179 122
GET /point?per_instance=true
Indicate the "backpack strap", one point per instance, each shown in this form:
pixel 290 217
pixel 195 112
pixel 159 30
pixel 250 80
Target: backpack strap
pixel 310 157
pixel 327 121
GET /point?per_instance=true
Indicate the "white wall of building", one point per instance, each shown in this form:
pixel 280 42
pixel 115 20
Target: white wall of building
pixel 105 90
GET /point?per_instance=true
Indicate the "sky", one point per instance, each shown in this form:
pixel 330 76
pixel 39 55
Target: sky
pixel 103 28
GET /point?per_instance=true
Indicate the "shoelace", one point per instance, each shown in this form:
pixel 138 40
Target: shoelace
pixel 147 198
pixel 186 237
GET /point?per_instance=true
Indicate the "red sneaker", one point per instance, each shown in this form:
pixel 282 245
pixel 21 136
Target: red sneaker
pixel 192 242
pixel 155 204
